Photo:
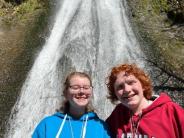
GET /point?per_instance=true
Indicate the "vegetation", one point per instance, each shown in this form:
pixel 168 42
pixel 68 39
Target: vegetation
pixel 17 11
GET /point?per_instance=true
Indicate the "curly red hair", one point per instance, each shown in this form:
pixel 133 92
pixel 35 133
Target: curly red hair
pixel 130 69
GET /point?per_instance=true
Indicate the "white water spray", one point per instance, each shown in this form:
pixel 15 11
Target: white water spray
pixel 88 35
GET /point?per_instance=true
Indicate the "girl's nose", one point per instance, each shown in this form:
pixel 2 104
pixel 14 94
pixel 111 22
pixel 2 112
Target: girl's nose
pixel 81 90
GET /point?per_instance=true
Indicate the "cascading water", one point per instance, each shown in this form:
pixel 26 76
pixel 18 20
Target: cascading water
pixel 87 35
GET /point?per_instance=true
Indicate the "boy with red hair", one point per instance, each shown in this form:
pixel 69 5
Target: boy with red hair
pixel 140 115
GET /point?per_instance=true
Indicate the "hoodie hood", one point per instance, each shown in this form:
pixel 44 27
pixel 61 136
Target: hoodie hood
pixel 84 119
pixel 157 102
pixel 90 115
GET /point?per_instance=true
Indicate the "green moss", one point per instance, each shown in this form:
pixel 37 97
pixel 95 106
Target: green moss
pixel 2 13
pixel 25 8
pixel 160 6
pixel 13 14
pixel 144 4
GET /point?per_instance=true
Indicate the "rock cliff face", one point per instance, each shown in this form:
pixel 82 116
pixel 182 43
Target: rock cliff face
pixel 21 35
pixel 159 25
pixel 161 34
pixel 23 28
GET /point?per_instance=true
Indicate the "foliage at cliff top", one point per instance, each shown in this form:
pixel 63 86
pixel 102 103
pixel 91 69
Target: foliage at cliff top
pixel 12 12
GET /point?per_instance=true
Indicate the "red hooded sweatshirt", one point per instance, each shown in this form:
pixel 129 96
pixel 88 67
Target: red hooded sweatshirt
pixel 162 119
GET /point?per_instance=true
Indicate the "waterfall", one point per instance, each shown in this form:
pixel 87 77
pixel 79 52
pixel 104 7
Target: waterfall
pixel 87 35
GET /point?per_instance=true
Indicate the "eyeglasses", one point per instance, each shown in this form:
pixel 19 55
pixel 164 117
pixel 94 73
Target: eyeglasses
pixel 78 87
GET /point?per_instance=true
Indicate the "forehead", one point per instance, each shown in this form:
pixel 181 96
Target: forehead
pixel 79 79
pixel 124 76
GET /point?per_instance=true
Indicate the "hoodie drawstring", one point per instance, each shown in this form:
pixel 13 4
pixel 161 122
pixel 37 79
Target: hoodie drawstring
pixel 135 125
pixel 61 127
pixel 84 129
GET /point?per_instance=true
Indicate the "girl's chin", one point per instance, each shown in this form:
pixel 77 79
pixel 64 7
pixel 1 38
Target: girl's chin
pixel 130 105
pixel 81 102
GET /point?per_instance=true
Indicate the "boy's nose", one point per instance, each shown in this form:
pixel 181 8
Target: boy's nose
pixel 127 88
